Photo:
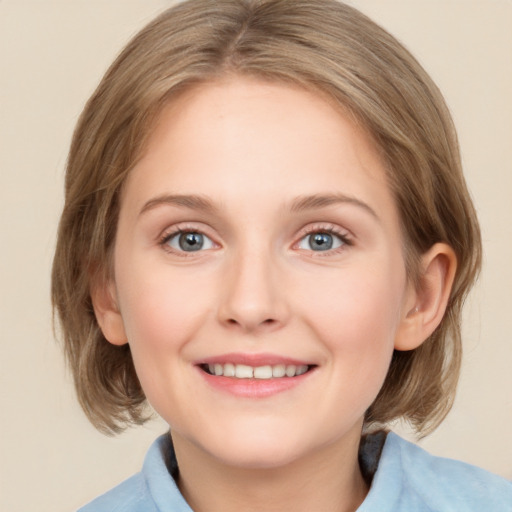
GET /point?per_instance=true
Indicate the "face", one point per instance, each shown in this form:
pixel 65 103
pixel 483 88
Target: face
pixel 259 272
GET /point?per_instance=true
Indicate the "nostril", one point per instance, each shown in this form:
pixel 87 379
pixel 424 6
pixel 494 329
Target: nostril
pixel 268 322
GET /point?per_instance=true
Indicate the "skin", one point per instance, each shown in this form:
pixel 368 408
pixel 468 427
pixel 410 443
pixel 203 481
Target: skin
pixel 253 151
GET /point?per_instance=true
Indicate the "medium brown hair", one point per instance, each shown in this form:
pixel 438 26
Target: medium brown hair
pixel 325 46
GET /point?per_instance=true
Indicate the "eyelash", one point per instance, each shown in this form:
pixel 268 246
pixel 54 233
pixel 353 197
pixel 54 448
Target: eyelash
pixel 178 230
pixel 330 229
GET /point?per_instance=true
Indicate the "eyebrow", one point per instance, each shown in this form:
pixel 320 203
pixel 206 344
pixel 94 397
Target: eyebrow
pixel 300 204
pixel 318 201
pixel 191 201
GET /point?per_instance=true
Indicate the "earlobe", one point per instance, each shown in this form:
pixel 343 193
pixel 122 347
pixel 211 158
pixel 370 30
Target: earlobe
pixel 427 304
pixel 107 313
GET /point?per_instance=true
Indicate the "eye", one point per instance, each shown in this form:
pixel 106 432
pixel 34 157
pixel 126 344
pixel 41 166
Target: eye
pixel 188 241
pixel 321 241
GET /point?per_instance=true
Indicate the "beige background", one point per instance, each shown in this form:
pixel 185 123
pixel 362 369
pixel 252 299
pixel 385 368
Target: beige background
pixel 52 54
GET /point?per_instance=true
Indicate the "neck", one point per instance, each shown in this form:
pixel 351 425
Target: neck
pixel 327 480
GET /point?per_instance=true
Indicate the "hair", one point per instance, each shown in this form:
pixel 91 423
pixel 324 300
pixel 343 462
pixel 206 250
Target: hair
pixel 324 46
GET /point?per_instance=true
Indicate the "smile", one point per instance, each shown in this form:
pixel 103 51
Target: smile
pixel 242 371
pixel 255 375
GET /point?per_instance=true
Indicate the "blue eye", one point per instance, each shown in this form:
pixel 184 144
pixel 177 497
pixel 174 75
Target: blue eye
pixel 321 241
pixel 189 241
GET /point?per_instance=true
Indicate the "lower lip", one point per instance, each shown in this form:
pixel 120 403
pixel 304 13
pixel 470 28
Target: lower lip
pixel 254 388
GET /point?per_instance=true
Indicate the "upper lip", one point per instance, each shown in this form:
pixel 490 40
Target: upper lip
pixel 254 360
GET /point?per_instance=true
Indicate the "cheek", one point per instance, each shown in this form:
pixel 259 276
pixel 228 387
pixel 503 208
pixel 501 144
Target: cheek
pixel 356 318
pixel 358 305
pixel 159 304
pixel 162 311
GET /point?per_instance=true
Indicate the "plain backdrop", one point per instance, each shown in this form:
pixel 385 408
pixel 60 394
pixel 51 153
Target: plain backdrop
pixel 52 55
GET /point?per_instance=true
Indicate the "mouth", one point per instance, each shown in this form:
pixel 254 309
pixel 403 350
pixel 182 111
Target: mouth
pixel 254 375
pixel 264 372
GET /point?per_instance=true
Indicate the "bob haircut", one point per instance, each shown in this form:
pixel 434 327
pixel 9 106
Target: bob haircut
pixel 323 46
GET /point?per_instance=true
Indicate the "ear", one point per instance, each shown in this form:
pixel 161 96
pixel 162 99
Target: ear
pixel 426 305
pixel 107 312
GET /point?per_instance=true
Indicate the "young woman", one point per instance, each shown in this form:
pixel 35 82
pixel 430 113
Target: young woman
pixel 268 237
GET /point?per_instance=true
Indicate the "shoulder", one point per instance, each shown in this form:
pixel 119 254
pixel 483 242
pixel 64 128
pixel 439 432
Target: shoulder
pixel 130 496
pixel 428 483
pixel 151 490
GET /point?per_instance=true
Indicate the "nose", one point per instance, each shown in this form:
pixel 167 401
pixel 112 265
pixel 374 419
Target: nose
pixel 253 298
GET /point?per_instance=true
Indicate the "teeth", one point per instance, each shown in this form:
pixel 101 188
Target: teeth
pixel 229 370
pixel 263 372
pixel 290 370
pixel 301 369
pixel 242 371
pixel 279 370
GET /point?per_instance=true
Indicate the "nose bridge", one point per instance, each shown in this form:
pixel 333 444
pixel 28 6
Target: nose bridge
pixel 252 298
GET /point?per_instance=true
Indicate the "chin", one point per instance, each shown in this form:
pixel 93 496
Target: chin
pixel 258 446
pixel 259 456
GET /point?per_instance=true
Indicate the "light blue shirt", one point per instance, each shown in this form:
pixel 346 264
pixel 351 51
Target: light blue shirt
pixel 407 479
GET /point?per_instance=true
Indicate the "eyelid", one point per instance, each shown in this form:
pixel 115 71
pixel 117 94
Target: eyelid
pixel 318 227
pixel 184 227
pixel 321 227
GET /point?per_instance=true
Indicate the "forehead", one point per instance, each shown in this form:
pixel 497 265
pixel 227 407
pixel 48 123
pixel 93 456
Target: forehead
pixel 241 135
